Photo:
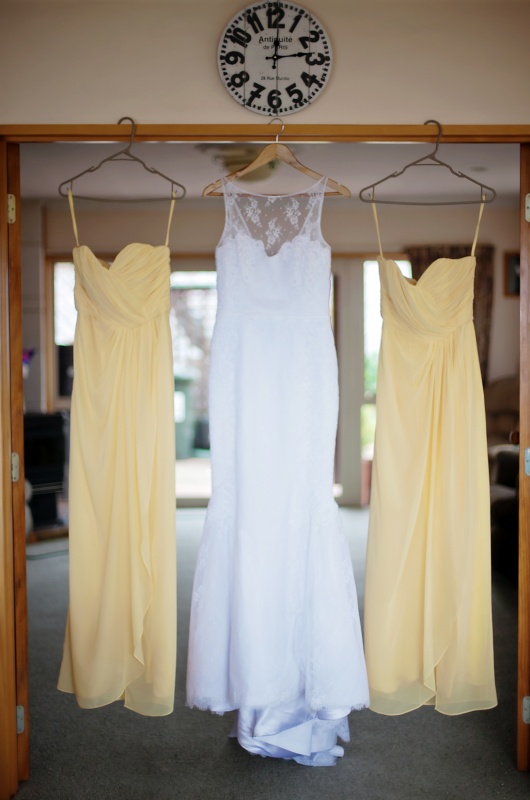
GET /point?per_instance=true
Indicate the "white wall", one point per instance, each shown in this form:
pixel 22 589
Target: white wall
pixel 33 302
pixel 85 61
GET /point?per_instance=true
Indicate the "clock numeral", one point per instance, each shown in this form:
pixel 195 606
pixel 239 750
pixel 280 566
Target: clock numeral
pixel 239 78
pixel 239 36
pixel 255 22
pixel 314 36
pixel 274 99
pixel 316 59
pixel 275 14
pixel 295 94
pixel 309 80
pixel 234 57
pixel 296 20
pixel 257 90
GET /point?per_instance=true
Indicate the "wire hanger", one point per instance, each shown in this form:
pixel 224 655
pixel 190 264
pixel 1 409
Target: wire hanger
pixel 487 194
pixel 122 155
pixel 272 152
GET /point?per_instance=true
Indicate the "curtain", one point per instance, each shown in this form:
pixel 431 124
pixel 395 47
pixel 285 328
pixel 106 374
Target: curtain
pixel 422 257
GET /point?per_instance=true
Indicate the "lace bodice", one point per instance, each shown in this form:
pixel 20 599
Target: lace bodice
pixel 272 258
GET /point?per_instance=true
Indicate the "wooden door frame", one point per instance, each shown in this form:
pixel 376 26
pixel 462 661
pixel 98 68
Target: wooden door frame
pixel 12 543
pixel 523 643
pixel 8 702
pixel 474 134
pixel 14 691
pixel 17 446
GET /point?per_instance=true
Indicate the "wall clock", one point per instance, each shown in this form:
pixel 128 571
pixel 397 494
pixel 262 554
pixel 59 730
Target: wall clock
pixel 274 57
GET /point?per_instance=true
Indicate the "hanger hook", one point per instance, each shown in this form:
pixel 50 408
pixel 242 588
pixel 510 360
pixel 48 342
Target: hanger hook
pixel 435 122
pixel 280 120
pixel 133 131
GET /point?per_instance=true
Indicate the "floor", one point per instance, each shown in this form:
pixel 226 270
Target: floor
pixel 110 753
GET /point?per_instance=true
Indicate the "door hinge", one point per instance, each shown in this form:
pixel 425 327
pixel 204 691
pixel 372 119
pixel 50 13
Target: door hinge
pixel 11 209
pixel 527 461
pixel 15 467
pixel 526 710
pixel 527 207
pixel 20 719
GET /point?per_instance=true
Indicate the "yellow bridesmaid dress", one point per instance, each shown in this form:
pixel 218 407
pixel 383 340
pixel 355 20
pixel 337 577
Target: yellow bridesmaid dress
pixel 120 638
pixel 428 624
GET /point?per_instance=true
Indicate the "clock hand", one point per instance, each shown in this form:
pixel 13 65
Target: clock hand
pixel 275 56
pixel 287 55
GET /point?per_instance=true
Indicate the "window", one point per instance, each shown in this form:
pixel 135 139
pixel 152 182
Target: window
pixel 372 340
pixel 192 318
pixel 60 361
pixel 64 311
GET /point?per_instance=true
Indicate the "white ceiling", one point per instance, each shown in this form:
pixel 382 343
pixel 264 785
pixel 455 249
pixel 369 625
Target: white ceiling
pixel 45 166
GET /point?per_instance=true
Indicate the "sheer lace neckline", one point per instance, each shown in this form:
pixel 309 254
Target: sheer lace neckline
pixel 242 190
pixel 274 220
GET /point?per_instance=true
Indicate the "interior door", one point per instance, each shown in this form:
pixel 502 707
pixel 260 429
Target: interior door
pixel 17 446
pixel 8 735
pixel 523 658
pixel 14 720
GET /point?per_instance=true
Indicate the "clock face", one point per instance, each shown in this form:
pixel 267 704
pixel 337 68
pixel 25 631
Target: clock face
pixel 274 58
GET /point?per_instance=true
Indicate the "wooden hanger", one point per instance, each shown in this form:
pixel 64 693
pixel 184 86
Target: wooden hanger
pixel 121 155
pixel 487 194
pixel 276 152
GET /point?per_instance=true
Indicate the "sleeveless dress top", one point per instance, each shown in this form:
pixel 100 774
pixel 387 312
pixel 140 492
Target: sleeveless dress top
pixel 275 629
pixel 428 620
pixel 120 638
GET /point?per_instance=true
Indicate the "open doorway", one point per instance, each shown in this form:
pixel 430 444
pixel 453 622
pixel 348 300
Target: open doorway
pixel 198 225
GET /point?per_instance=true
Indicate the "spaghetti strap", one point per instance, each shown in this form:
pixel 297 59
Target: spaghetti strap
pixel 74 223
pixel 171 209
pixel 374 209
pixel 478 226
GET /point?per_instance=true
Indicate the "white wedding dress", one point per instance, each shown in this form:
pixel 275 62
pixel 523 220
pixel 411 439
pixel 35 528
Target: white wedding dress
pixel 275 629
